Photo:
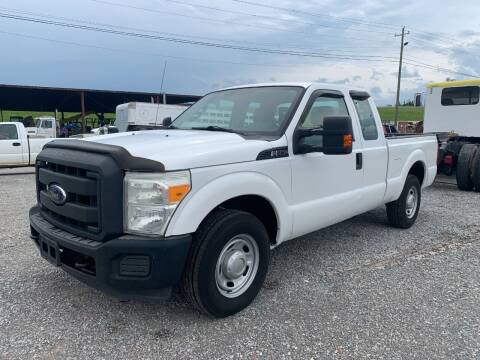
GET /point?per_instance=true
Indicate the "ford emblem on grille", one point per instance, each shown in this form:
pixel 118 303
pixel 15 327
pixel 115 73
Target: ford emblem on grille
pixel 57 194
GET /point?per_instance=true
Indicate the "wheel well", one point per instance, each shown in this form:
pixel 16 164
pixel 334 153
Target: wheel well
pixel 258 206
pixel 418 169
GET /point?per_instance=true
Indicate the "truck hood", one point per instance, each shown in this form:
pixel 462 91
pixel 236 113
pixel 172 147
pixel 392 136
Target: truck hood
pixel 186 149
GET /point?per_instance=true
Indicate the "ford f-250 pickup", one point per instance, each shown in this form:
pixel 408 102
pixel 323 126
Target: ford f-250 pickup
pixel 201 203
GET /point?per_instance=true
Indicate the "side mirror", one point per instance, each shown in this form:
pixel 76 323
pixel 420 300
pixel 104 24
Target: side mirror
pixel 112 129
pixel 167 122
pixel 335 138
pixel 337 135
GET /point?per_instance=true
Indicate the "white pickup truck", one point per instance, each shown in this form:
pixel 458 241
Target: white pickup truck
pixel 201 203
pixel 45 127
pixel 16 147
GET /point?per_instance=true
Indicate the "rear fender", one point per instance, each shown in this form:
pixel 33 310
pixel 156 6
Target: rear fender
pixel 395 184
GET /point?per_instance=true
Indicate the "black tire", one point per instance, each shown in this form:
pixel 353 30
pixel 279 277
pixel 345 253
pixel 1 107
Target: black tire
pixel 464 170
pixel 397 210
pixel 199 282
pixel 476 171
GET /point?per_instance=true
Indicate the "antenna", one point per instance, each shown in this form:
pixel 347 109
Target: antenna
pixel 161 90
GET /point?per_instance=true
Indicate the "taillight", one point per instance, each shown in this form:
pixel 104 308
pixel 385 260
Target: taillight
pixel 448 160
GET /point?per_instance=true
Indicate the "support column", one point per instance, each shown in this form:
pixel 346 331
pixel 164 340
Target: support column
pixel 82 100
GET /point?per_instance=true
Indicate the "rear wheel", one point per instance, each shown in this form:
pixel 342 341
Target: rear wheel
pixel 403 212
pixel 476 171
pixel 227 264
pixel 464 167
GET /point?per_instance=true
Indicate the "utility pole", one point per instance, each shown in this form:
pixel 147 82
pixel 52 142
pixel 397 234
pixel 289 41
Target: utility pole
pixel 402 45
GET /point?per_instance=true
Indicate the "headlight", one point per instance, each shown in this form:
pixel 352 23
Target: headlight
pixel 151 199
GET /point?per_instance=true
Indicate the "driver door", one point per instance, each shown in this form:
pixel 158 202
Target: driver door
pixel 11 148
pixel 326 189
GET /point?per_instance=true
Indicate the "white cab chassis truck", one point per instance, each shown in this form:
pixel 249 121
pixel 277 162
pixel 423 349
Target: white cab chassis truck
pixel 452 111
pixel 17 148
pixel 201 204
pixel 144 116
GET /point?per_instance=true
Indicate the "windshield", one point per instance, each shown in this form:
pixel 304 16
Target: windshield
pixel 248 111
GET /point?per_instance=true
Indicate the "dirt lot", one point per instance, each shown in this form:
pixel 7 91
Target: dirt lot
pixel 355 290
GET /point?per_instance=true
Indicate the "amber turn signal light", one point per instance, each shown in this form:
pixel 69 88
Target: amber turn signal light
pixel 177 192
pixel 347 141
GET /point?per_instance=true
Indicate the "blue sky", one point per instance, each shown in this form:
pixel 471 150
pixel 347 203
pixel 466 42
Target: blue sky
pixel 443 34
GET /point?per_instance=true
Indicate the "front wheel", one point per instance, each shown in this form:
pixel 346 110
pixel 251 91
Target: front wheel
pixel 403 212
pixel 227 263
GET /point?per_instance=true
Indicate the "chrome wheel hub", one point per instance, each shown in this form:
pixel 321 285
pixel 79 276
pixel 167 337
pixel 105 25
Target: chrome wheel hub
pixel 237 265
pixel 412 202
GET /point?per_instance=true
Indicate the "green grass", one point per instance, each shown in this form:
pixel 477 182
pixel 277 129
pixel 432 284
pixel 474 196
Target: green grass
pixel 387 113
pixel 7 114
pixel 406 113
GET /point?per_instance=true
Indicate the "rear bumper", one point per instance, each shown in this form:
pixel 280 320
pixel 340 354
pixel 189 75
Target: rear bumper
pixel 126 267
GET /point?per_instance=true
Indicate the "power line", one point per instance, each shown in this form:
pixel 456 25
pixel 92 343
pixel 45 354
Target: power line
pixel 219 61
pixel 228 22
pixel 193 42
pixel 449 39
pixel 440 69
pixel 265 16
pixel 123 50
pixel 49 16
pixel 336 18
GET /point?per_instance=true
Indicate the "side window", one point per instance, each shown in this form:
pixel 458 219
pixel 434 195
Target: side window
pixel 465 95
pixel 47 124
pixel 367 119
pixel 8 132
pixel 322 107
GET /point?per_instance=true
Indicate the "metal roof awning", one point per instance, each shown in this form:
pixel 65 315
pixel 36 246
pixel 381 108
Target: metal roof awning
pixel 38 98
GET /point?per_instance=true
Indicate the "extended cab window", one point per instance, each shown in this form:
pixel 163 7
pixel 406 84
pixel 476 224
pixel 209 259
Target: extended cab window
pixel 465 95
pixel 255 111
pixel 367 119
pixel 8 132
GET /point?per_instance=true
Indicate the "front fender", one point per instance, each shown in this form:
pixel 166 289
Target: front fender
pixel 202 200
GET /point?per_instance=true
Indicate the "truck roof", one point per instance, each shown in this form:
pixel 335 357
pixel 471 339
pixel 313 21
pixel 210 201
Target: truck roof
pixel 448 84
pixel 300 84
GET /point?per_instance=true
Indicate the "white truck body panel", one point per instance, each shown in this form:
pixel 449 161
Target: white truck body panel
pixel 18 149
pixel 459 119
pixel 145 114
pixel 307 191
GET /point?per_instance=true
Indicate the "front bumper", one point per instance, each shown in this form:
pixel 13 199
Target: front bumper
pixel 126 267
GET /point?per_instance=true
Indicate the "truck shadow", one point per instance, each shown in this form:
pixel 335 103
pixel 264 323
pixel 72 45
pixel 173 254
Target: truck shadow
pixel 310 258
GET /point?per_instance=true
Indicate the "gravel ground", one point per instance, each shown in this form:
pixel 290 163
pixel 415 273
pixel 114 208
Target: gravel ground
pixel 358 289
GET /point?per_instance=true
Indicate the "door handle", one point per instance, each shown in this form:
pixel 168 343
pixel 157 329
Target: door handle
pixel 16 144
pixel 359 157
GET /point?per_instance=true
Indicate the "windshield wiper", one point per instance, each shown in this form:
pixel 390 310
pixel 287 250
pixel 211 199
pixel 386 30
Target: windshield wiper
pixel 216 128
